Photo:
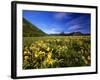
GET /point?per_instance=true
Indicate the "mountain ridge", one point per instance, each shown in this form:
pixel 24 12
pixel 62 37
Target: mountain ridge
pixel 72 34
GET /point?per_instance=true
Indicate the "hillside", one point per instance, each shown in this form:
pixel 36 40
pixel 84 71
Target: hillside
pixel 30 30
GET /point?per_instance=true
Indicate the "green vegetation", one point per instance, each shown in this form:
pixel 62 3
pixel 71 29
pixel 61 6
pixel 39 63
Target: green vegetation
pixel 56 51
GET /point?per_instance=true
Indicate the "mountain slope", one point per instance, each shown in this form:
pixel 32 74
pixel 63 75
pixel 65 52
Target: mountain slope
pixel 30 30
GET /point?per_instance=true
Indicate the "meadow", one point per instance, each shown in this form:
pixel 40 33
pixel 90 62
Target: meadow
pixel 56 52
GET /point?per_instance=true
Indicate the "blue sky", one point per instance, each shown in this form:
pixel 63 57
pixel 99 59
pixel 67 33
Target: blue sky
pixel 57 22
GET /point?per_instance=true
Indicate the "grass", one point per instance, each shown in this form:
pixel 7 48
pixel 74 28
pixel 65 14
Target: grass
pixel 56 51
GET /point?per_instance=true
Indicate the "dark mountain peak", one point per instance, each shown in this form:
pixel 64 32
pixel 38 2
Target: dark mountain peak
pixel 76 33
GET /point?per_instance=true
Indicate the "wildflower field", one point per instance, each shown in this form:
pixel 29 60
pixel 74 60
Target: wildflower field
pixel 56 52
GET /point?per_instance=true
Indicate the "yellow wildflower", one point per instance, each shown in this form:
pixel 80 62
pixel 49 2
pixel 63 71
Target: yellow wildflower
pixel 48 49
pixel 26 58
pixel 89 58
pixel 86 62
pixel 83 57
pixel 49 55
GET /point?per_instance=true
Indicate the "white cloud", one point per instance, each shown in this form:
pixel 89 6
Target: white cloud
pixel 61 15
pixel 51 31
pixel 75 21
pixel 75 27
pixel 75 24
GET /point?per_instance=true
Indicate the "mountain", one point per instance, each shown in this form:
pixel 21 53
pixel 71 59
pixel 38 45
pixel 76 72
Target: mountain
pixel 71 34
pixel 76 33
pixel 30 30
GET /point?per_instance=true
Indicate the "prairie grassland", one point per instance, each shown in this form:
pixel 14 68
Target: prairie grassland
pixel 56 51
